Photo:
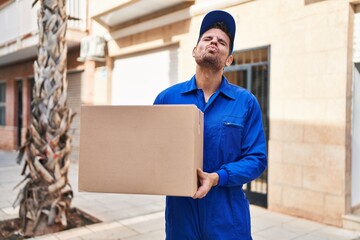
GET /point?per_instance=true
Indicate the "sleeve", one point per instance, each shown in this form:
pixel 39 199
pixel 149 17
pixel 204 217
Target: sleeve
pixel 253 160
pixel 159 99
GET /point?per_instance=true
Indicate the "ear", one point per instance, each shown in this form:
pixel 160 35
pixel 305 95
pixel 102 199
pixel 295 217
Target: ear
pixel 193 51
pixel 229 60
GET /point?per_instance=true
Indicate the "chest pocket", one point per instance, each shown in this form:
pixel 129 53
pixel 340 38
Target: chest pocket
pixel 231 137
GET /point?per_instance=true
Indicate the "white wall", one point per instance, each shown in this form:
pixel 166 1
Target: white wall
pixel 137 80
pixel 17 19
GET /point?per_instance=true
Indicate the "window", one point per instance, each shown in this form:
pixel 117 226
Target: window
pixel 250 70
pixel 2 102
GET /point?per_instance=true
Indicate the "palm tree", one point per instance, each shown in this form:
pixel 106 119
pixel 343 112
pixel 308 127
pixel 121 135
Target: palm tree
pixel 46 194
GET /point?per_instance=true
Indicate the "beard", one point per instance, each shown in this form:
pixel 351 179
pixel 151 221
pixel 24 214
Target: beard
pixel 209 61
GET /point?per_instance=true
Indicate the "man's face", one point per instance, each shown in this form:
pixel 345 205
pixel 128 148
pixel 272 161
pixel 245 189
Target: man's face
pixel 212 51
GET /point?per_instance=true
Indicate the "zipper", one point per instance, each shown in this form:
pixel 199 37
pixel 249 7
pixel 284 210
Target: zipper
pixel 231 124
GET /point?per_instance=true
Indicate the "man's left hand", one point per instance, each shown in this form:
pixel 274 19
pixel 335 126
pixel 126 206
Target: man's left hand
pixel 207 181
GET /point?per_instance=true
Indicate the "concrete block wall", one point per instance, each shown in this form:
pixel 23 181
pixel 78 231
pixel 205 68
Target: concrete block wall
pixel 308 79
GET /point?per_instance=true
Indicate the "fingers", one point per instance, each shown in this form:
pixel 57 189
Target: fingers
pixel 200 173
pixel 199 195
pixel 204 188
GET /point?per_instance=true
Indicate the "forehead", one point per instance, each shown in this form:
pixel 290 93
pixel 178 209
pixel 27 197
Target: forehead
pixel 215 32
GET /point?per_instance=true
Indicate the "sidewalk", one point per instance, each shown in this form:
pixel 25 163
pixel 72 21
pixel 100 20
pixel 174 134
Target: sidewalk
pixel 141 217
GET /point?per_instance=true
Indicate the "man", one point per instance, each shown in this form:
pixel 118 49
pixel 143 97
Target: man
pixel 234 142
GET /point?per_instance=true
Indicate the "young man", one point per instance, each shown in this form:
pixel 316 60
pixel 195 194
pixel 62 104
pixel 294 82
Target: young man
pixel 234 142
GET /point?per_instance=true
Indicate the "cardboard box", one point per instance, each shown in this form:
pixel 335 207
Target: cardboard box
pixel 141 149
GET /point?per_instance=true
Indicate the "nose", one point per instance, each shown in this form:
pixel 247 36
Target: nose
pixel 214 41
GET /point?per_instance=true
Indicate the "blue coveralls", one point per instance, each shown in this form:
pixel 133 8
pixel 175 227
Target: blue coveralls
pixel 235 148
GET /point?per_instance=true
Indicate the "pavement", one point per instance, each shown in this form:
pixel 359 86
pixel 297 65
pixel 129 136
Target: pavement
pixel 141 217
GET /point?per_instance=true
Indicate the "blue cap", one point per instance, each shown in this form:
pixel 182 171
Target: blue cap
pixel 219 16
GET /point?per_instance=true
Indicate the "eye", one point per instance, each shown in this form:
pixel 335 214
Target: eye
pixel 207 38
pixel 222 42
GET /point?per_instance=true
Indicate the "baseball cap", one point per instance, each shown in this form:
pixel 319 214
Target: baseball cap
pixel 219 16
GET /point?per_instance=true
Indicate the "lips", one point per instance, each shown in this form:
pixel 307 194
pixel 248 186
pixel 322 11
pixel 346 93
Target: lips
pixel 212 48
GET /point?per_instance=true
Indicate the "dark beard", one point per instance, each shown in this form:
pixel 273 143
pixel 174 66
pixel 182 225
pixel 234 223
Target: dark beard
pixel 210 62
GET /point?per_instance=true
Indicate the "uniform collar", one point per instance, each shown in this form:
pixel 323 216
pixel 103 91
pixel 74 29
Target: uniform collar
pixel 190 85
pixel 224 88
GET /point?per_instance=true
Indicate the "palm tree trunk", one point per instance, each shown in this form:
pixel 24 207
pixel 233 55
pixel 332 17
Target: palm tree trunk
pixel 46 196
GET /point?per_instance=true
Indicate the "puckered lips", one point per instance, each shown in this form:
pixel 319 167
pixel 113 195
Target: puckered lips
pixel 212 48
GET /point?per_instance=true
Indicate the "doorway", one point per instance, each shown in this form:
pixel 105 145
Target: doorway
pixel 19 111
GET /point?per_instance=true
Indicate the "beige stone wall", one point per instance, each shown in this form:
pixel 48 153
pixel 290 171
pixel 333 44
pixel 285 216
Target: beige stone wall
pixel 309 76
pixel 308 79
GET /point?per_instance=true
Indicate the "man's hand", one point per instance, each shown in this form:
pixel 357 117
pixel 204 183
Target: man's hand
pixel 207 181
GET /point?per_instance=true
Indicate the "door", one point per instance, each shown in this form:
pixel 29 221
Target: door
pixel 2 103
pixel 250 70
pixel 19 111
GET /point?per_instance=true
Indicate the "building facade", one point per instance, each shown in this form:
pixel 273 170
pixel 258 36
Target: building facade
pixel 300 58
pixel 18 51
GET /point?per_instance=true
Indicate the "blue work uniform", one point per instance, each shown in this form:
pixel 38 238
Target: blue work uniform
pixel 235 148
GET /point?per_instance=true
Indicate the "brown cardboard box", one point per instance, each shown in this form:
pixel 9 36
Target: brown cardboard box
pixel 140 149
